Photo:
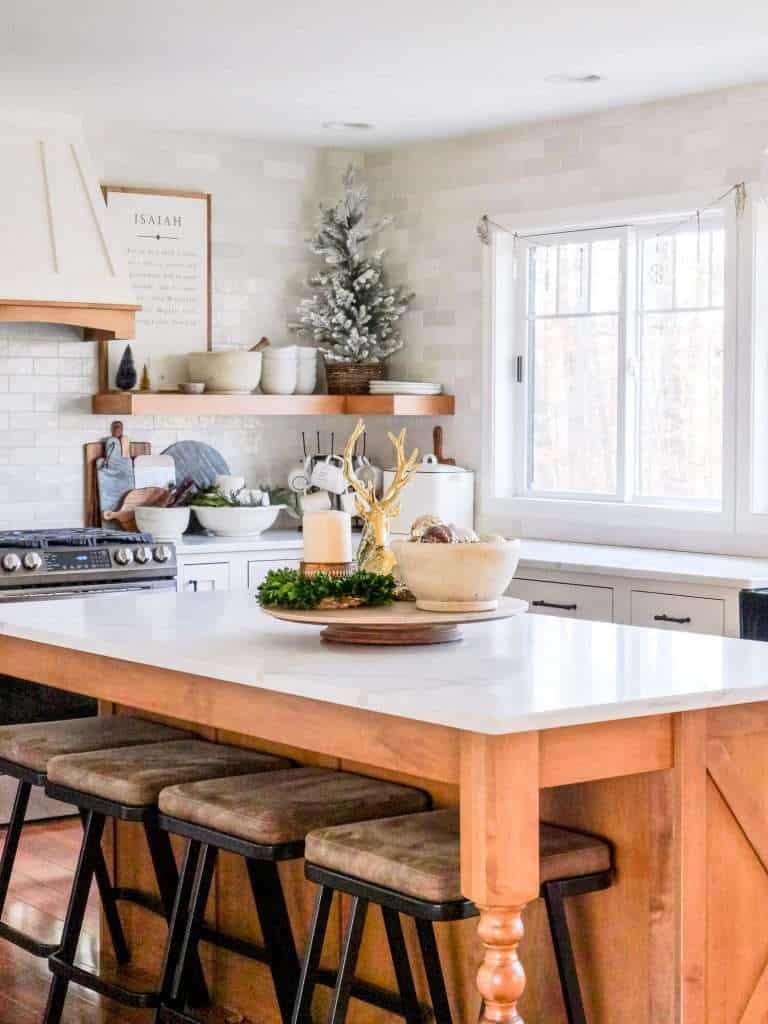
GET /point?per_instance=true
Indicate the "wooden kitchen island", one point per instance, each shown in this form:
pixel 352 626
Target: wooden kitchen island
pixel 657 740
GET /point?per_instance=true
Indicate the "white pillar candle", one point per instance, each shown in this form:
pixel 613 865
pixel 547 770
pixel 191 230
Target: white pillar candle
pixel 327 537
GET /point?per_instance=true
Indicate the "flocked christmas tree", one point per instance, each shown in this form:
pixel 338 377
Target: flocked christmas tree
pixel 353 314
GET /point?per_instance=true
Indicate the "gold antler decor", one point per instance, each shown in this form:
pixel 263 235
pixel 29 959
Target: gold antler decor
pixel 374 554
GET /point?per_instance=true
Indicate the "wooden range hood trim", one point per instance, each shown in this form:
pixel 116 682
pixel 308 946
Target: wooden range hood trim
pixel 100 320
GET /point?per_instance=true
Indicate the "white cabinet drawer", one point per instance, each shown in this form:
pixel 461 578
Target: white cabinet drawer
pixel 675 611
pixel 258 569
pixel 196 578
pixel 569 600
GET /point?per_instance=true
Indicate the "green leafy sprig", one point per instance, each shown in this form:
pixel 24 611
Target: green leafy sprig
pixel 287 588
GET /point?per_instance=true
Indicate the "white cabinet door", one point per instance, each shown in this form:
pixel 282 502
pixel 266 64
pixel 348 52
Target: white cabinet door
pixel 568 600
pixel 202 576
pixel 258 569
pixel 676 611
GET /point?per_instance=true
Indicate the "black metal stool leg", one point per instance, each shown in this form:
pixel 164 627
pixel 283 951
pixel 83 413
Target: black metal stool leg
pixel 178 921
pixel 349 955
pixel 402 965
pixel 164 864
pixel 108 902
pixel 434 971
pixel 12 837
pixel 73 923
pixel 566 965
pixel 187 954
pixel 301 1011
pixel 276 928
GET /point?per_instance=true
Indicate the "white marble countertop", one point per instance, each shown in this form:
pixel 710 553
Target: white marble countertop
pixel 530 672
pixel 644 563
pixel 553 556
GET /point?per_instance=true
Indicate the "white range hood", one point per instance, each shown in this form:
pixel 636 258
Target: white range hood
pixel 57 261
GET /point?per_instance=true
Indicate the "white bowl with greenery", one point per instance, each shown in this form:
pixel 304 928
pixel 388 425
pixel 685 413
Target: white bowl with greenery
pixel 237 520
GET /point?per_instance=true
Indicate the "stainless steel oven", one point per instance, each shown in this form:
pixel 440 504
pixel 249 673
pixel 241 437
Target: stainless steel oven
pixel 47 565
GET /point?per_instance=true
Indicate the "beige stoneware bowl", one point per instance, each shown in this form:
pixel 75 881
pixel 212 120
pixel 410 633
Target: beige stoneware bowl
pixel 457 577
pixel 226 373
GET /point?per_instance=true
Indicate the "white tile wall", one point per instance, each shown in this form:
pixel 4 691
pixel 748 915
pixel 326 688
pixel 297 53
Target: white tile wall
pixel 265 196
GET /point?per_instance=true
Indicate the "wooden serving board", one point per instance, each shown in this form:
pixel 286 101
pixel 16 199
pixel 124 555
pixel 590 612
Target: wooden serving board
pixel 93 451
pixel 398 624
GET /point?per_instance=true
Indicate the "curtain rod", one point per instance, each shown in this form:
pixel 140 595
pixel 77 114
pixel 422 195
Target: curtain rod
pixel 740 198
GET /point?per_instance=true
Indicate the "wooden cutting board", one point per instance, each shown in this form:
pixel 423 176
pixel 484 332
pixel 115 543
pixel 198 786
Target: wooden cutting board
pixel 95 450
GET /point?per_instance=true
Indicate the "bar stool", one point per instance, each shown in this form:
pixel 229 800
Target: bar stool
pixel 265 820
pixel 410 866
pixel 124 784
pixel 25 752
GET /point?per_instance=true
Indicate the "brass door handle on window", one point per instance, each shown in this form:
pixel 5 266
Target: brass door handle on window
pixel 559 607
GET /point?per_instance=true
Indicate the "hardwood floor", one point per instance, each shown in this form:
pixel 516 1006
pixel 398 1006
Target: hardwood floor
pixel 37 903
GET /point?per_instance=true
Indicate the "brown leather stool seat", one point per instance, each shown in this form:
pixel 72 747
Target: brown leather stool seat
pixel 410 866
pixel 33 745
pixel 419 854
pixel 124 783
pixel 25 751
pixel 135 776
pixel 282 807
pixel 265 820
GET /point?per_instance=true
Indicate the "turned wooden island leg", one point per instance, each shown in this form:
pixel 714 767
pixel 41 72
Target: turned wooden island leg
pixel 500 858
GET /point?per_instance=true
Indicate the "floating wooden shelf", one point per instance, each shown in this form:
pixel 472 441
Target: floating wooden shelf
pixel 172 403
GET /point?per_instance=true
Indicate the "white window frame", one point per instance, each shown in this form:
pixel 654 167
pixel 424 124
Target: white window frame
pixel 504 506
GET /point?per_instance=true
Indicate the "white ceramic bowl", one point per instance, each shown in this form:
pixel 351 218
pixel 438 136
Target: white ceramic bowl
pixel 243 521
pixel 280 377
pixel 236 372
pixel 162 523
pixel 288 352
pixel 457 577
pixel 306 373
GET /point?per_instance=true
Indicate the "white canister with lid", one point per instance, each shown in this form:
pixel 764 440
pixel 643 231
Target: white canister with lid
pixel 435 489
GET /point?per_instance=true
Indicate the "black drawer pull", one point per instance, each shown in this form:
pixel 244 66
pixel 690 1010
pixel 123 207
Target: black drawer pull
pixel 671 618
pixel 560 607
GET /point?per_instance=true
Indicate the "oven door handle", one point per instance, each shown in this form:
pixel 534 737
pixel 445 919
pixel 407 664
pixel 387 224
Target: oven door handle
pixel 61 592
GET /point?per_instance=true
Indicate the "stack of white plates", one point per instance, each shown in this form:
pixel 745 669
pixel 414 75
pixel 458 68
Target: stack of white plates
pixel 404 387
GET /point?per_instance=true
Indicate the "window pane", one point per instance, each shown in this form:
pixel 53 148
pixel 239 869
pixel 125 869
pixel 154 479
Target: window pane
pixel 692 270
pixel 575 404
pixel 605 276
pixel 681 405
pixel 544 279
pixel 573 283
pixel 658 278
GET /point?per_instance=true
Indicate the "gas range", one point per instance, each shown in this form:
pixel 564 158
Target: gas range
pixel 39 564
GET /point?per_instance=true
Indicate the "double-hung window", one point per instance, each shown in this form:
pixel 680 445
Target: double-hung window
pixel 616 370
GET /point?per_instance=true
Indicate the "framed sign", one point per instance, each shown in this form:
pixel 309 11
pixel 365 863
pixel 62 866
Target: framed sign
pixel 166 239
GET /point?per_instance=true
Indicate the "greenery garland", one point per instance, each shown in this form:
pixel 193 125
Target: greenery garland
pixel 287 588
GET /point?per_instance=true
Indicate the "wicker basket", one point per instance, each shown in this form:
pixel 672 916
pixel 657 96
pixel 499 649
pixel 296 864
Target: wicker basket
pixel 352 378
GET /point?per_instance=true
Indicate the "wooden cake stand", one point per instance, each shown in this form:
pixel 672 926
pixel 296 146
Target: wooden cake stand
pixel 400 623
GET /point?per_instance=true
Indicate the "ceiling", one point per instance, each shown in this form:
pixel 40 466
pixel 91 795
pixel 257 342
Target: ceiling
pixel 416 69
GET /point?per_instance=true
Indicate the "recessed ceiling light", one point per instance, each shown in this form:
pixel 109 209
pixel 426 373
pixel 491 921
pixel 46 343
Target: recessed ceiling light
pixel 575 79
pixel 355 126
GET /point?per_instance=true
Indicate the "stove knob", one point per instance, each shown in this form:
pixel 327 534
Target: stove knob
pixel 32 560
pixel 143 555
pixel 162 553
pixel 123 556
pixel 10 562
